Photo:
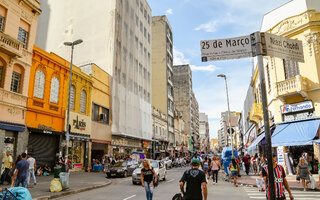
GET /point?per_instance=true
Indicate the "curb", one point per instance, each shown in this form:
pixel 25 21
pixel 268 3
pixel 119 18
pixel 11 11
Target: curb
pixel 69 192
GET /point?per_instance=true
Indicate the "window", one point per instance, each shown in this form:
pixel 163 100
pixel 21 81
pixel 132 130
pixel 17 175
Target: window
pixel 145 13
pixel 95 112
pixel 1 23
pixel 291 68
pixel 105 112
pixel 137 42
pixel 15 82
pixel 141 48
pixel 83 101
pixel 1 73
pixel 72 95
pixel 23 37
pixel 137 20
pixel 149 37
pixel 141 7
pixel 141 27
pixel 54 93
pixel 100 113
pixel 148 19
pixel 145 32
pixel 39 84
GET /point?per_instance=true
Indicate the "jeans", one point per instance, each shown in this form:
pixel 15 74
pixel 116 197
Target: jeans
pixel 247 166
pixel 215 174
pixel 22 181
pixel 149 190
pixel 31 173
pixel 4 175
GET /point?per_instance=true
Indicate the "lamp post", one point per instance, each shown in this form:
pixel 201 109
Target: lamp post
pixel 230 132
pixel 72 44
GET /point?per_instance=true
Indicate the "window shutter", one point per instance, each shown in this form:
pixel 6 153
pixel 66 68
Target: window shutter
pixel 54 94
pixel 83 101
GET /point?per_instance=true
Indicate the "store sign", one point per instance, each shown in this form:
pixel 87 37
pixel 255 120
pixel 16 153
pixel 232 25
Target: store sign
pixel 297 107
pixel 281 159
pixel 80 123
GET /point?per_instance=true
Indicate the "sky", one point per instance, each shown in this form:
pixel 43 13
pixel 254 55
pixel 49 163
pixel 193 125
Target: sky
pixel 195 20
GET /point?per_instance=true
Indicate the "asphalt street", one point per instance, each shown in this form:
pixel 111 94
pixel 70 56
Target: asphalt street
pixel 123 189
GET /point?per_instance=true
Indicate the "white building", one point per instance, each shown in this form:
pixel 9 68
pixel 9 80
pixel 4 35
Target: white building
pixel 117 37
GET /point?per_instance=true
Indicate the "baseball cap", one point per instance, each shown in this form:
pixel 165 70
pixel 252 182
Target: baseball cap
pixel 195 162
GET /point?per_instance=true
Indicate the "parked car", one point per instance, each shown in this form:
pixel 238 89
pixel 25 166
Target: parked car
pixel 124 169
pixel 167 162
pixel 158 167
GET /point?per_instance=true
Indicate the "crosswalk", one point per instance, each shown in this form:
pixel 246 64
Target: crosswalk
pixel 254 193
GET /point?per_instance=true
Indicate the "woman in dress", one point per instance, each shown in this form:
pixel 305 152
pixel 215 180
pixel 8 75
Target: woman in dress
pixel 304 173
pixel 147 175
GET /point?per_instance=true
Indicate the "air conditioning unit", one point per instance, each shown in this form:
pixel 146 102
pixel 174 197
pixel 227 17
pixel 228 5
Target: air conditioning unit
pixel 103 117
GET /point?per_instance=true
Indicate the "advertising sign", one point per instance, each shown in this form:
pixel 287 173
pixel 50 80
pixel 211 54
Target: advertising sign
pixel 297 107
pixel 284 48
pixel 80 123
pixel 280 153
pixel 225 49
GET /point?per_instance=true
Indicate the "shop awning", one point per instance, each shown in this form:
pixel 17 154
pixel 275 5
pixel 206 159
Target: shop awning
pixel 316 141
pixel 295 133
pixel 255 142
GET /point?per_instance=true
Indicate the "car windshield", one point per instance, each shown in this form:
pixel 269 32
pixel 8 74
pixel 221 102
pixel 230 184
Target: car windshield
pixel 154 164
pixel 120 164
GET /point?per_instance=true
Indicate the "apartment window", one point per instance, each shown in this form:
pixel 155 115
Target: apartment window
pixel 137 20
pixel 105 113
pixel 149 19
pixel 149 57
pixel 39 84
pixel 95 112
pixel 1 23
pixel 83 101
pixel 291 68
pixel 145 32
pixel 15 82
pixel 145 13
pixel 54 91
pixel 148 97
pixel 141 48
pixel 145 73
pixel 1 73
pixel 137 2
pixel 141 7
pixel 72 95
pixel 268 76
pixel 141 27
pixel 23 37
pixel 137 42
pixel 145 52
pixel 148 37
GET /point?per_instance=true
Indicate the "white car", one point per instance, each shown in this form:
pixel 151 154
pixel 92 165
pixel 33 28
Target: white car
pixel 167 162
pixel 158 167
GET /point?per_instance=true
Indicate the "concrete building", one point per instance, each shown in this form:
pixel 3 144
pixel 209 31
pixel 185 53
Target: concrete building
pixel 195 122
pixel 223 136
pixel 159 130
pixel 185 102
pixel 118 40
pixel 179 133
pixel 162 86
pixel 18 25
pixel 204 133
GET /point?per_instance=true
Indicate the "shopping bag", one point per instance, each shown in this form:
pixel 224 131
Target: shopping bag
pixel 55 185
pixel 312 183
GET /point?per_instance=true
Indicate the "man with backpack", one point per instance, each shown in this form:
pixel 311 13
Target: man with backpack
pixel 195 179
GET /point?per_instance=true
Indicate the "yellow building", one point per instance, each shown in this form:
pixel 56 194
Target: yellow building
pixel 18 25
pixel 214 144
pixel 101 105
pixel 292 87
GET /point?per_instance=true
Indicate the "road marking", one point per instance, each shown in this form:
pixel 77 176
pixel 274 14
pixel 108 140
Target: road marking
pixel 170 180
pixel 130 197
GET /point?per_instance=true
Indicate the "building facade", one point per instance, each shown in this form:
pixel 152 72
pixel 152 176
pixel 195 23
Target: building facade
pixel 195 122
pixel 223 136
pixel 159 131
pixel 162 86
pixel 121 47
pixel 18 25
pixel 204 133
pixel 179 134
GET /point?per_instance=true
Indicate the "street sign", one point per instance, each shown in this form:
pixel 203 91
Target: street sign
pixel 284 48
pixel 226 49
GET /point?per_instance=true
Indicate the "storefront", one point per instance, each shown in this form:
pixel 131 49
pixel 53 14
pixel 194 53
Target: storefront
pixel 123 147
pixel 99 149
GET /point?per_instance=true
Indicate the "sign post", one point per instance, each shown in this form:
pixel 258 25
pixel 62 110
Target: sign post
pixel 257 44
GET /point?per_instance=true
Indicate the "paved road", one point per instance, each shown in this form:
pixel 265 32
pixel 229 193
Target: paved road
pixel 123 189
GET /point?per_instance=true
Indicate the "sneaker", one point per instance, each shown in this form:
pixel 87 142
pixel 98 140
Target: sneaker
pixel 214 183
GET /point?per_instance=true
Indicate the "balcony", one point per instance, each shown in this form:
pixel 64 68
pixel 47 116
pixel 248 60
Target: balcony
pixel 10 45
pixel 291 87
pixel 256 113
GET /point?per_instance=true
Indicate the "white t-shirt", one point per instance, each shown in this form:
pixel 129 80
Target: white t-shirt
pixel 31 162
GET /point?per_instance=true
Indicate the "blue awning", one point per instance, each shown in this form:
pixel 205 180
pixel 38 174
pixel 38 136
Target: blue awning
pixel 255 142
pixel 316 141
pixel 295 133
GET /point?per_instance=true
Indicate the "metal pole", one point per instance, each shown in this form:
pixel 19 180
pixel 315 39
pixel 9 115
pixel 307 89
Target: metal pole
pixel 68 112
pixel 225 78
pixel 265 116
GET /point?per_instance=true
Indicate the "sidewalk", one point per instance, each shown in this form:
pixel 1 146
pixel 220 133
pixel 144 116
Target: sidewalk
pixel 295 185
pixel 78 182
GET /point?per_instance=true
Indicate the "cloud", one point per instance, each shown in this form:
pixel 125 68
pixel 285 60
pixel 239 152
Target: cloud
pixel 208 68
pixel 169 11
pixel 178 57
pixel 209 27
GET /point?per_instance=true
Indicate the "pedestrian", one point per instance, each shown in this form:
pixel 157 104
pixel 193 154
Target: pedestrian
pixel 215 167
pixel 205 165
pixel 147 176
pixel 234 167
pixel 7 163
pixel 32 168
pixel 195 179
pixel 246 160
pixel 304 173
pixel 280 180
pixel 21 172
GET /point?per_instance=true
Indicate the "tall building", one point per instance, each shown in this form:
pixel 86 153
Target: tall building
pixel 185 102
pixel 119 41
pixel 195 122
pixel 224 136
pixel 162 86
pixel 204 133
pixel 18 25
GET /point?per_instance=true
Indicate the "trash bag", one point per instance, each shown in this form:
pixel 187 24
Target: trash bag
pixel 21 193
pixel 55 185
pixel 312 183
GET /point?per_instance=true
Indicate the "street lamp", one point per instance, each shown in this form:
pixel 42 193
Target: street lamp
pixel 230 132
pixel 72 44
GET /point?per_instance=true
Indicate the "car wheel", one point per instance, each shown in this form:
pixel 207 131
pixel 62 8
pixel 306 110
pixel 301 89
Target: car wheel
pixel 108 176
pixel 125 175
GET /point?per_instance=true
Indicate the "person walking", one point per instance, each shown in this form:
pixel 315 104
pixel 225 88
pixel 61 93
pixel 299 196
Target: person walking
pixel 32 168
pixel 246 160
pixel 147 176
pixel 205 165
pixel 7 163
pixel 234 168
pixel 195 179
pixel 20 175
pixel 304 173
pixel 215 167
pixel 280 180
